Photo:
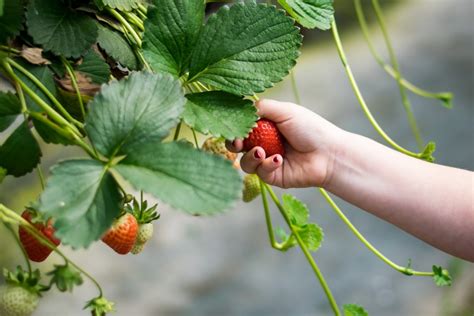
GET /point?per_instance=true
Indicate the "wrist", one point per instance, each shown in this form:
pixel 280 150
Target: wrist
pixel 338 157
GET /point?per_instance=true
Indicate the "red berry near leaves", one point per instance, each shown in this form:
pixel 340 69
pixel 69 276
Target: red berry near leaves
pixel 267 136
pixel 122 235
pixel 36 251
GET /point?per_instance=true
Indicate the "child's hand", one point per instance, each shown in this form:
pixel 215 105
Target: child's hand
pixel 311 147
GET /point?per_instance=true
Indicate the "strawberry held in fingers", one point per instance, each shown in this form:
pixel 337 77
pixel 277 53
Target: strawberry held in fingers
pixel 122 235
pixel 35 249
pixel 267 136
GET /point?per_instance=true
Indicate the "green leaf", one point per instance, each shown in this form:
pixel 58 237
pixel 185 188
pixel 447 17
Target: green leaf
pixel 3 174
pixel 185 178
pixel 9 109
pixel 171 30
pixel 94 67
pixel 428 152
pixel 312 235
pixel 220 113
pixel 116 46
pixel 65 277
pixel 123 5
pixel 43 74
pixel 2 3
pixel 297 211
pixel 84 200
pixel 60 29
pixel 139 109
pixel 11 20
pixel 20 153
pixel 354 310
pixel 310 13
pixel 245 49
pixel 441 276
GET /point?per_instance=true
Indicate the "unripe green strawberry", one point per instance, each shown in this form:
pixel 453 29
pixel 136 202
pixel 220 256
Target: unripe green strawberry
pixel 145 232
pixel 137 248
pixel 217 146
pixel 16 300
pixel 251 187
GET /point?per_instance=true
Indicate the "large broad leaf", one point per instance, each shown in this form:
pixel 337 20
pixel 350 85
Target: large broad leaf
pixel 123 5
pixel 94 67
pixel 60 29
pixel 171 29
pixel 185 178
pixel 140 109
pixel 83 198
pixel 11 19
pixel 9 109
pixel 245 49
pixel 220 113
pixel 310 13
pixel 20 153
pixel 44 75
pixel 116 46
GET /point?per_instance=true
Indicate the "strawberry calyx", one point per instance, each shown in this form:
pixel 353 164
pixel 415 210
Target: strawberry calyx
pixel 142 212
pixel 100 306
pixel 25 279
pixel 65 277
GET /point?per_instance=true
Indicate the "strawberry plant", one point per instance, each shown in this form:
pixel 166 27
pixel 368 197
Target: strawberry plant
pixel 119 79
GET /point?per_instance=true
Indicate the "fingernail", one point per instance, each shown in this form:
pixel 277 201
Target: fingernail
pixel 257 155
pixel 275 159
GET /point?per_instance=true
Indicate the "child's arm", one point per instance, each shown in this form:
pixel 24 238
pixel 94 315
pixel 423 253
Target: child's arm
pixel 429 201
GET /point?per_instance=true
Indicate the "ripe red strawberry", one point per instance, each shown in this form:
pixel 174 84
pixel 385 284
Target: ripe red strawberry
pixel 122 235
pixel 34 248
pixel 267 136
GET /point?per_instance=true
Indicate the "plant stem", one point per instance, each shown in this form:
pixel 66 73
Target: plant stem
pixel 51 112
pixel 195 138
pixel 10 49
pixel 295 87
pixel 12 216
pixel 268 219
pixel 141 8
pixel 45 91
pixel 135 20
pixel 24 110
pixel 353 229
pixel 444 97
pixel 142 59
pixel 41 176
pixel 393 60
pixel 73 77
pixel 360 98
pixel 126 25
pixel 141 15
pixel 17 240
pixel 306 252
pixel 39 117
pixel 178 129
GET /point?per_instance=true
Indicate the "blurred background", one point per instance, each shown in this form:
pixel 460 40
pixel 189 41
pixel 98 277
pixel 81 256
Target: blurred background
pixel 224 265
